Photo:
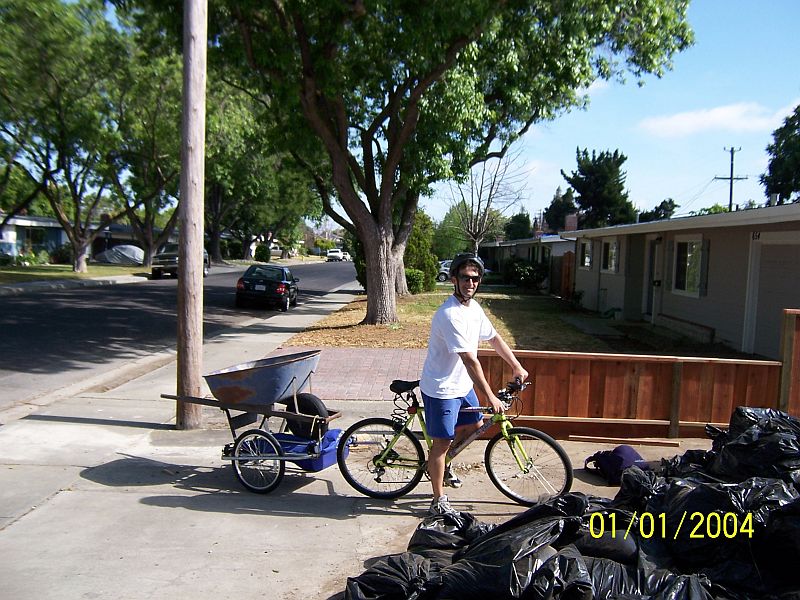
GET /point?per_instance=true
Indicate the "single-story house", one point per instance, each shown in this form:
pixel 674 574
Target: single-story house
pixel 721 277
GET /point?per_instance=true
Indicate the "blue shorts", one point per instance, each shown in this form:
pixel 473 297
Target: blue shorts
pixel 442 416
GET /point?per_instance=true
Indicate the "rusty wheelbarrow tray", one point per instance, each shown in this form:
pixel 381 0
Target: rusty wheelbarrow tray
pixel 248 392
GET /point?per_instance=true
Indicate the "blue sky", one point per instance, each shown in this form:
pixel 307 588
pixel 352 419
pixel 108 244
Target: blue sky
pixel 733 88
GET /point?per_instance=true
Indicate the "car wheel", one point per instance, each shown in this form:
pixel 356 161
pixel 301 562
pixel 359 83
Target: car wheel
pixel 293 301
pixel 285 304
pixel 155 274
pixel 239 302
pixel 206 270
pixel 441 277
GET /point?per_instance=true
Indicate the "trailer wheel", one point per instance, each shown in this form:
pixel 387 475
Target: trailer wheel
pixel 256 461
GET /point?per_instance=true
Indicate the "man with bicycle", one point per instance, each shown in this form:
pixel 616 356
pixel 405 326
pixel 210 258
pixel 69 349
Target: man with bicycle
pixel 451 372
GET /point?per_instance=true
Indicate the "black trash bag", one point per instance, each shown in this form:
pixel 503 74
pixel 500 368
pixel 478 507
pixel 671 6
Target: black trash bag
pixel 712 528
pixel 613 580
pixel 758 452
pixel 501 565
pixel 574 504
pixel 440 537
pixel 768 419
pixel 564 576
pixel 602 536
pixel 395 577
pixel 637 487
pixel 692 464
pixel 777 551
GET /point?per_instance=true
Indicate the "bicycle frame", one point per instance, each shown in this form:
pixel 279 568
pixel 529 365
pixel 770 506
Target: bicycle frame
pixel 416 412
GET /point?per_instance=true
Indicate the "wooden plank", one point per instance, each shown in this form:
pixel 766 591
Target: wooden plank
pixel 615 403
pixel 579 376
pixel 629 441
pixel 675 402
pixel 723 394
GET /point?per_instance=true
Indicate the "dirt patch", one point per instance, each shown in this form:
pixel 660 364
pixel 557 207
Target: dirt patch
pixel 525 322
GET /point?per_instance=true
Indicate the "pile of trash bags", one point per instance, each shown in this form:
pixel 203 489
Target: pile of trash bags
pixel 721 524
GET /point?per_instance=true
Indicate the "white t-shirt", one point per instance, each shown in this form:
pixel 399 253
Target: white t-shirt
pixel 455 328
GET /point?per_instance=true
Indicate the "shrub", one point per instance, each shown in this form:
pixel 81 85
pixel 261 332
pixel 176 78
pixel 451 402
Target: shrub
pixel 263 253
pixel 235 250
pixel 62 255
pixel 415 280
pixel 525 274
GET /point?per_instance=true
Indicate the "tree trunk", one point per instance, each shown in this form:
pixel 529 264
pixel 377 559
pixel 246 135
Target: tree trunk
pixel 81 250
pixel 381 275
pixel 400 283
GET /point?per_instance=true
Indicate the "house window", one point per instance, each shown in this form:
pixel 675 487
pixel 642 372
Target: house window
pixel 610 261
pixel 687 267
pixel 585 260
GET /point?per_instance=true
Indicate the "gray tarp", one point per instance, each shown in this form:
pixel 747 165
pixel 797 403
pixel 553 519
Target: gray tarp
pixel 124 254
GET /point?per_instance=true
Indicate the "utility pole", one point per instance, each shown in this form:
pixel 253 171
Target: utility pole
pixel 190 256
pixel 731 178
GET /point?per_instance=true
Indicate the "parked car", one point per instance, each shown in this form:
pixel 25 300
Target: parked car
pixel 444 270
pixel 266 284
pixel 165 262
pixel 346 256
pixel 334 254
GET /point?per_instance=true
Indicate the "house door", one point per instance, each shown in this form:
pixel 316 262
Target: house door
pixel 653 280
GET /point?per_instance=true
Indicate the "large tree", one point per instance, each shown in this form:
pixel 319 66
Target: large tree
pixel 144 167
pixel 783 172
pixel 599 183
pixel 58 70
pixel 400 95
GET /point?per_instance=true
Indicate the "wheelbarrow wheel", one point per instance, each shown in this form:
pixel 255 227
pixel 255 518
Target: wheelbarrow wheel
pixel 253 461
pixel 307 404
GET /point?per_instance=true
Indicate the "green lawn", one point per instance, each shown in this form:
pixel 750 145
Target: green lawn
pixel 10 274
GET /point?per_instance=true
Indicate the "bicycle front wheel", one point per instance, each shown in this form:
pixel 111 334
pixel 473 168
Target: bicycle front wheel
pixel 529 466
pixel 380 459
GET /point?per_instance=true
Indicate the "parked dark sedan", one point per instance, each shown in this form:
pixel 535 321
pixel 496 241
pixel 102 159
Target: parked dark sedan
pixel 265 284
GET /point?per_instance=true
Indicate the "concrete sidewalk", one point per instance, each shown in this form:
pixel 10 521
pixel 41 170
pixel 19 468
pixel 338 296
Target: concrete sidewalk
pixel 100 497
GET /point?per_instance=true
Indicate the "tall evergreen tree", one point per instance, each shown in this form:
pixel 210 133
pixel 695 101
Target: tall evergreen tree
pixel 599 183
pixel 562 204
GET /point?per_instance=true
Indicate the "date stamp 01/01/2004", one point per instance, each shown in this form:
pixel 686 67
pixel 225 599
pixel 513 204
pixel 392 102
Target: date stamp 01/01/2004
pixel 698 525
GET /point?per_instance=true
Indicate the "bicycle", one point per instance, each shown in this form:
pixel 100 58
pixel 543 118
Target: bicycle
pixel 383 458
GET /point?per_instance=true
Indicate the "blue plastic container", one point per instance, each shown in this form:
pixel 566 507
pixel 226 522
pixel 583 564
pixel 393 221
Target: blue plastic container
pixel 326 449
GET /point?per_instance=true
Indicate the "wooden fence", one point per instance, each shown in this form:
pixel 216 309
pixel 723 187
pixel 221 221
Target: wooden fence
pixel 621 395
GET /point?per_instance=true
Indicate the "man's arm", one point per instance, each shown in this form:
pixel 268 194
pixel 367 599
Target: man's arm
pixel 502 349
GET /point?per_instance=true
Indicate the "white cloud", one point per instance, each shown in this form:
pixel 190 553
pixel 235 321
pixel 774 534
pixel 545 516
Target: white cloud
pixel 740 117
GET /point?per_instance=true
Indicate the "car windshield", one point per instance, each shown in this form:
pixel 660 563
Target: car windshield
pixel 169 249
pixel 265 273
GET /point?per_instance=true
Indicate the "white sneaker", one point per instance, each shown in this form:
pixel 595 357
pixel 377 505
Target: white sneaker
pixel 441 506
pixel 451 479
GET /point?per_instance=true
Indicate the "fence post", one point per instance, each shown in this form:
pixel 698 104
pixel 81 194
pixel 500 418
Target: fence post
pixel 675 403
pixel 789 398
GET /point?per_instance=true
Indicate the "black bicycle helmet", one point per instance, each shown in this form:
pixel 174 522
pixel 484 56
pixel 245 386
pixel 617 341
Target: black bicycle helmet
pixel 467 257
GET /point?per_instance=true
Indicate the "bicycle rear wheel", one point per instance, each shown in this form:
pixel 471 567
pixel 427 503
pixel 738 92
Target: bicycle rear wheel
pixel 529 467
pixel 379 459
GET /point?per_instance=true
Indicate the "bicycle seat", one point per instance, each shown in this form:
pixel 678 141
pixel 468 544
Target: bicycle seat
pixel 399 386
